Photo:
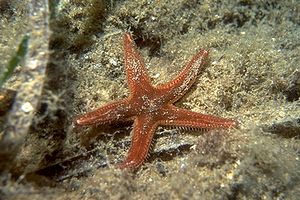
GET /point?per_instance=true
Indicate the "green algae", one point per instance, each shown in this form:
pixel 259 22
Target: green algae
pixel 15 60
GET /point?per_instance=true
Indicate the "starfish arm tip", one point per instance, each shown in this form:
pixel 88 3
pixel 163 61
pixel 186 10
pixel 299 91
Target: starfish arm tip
pixel 80 121
pixel 127 37
pixel 131 165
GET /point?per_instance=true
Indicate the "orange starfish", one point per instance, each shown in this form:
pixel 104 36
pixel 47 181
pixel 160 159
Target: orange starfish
pixel 150 106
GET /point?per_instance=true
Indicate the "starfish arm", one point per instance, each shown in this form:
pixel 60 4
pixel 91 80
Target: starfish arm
pixel 136 72
pixel 144 129
pixel 176 88
pixel 174 116
pixel 110 113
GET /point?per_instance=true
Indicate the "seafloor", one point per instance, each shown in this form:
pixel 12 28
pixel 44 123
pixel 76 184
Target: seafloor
pixel 253 77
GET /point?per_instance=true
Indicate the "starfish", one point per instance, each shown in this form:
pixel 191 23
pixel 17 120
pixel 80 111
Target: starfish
pixel 151 106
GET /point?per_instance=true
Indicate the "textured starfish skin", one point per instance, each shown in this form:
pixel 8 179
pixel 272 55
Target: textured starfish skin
pixel 150 106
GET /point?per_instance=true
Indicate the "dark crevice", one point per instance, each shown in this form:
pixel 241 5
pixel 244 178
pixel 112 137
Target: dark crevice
pixel 286 129
pixel 153 43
